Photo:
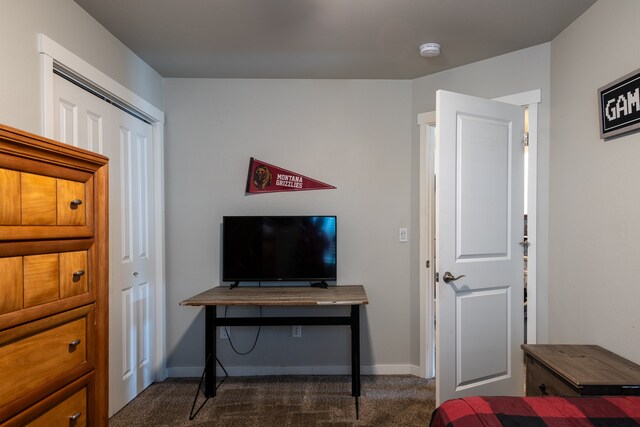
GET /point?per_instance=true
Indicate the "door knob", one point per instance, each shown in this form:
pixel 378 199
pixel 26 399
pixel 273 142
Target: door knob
pixel 448 277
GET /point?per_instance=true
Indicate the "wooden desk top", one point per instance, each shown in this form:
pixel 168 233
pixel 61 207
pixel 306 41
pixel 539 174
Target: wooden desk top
pixel 585 364
pixel 280 295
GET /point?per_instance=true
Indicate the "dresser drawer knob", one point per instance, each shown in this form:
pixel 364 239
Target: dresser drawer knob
pixel 77 275
pixel 75 203
pixel 543 389
pixel 73 419
pixel 73 344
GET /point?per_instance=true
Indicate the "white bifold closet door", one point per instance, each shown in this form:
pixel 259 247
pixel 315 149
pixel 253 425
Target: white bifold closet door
pixel 87 121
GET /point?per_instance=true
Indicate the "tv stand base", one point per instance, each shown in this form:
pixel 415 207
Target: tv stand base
pixel 322 285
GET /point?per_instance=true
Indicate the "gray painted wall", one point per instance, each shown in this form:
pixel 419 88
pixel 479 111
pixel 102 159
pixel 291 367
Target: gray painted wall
pixel 367 129
pixel 69 25
pixel 594 204
pixel 354 134
pixel 516 72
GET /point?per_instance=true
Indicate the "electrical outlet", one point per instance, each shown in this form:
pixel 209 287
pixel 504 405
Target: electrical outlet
pixel 403 235
pixel 296 331
pixel 224 335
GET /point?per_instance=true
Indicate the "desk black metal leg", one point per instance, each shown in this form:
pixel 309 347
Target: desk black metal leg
pixel 193 414
pixel 210 314
pixel 355 350
pixel 355 356
pixel 209 372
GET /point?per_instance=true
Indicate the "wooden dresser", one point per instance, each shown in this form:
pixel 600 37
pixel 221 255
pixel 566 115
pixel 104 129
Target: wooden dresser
pixel 578 370
pixel 53 283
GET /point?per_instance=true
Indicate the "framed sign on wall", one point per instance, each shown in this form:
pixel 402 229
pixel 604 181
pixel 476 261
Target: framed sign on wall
pixel 619 103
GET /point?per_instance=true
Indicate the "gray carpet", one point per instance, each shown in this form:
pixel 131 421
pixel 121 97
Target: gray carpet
pixel 389 400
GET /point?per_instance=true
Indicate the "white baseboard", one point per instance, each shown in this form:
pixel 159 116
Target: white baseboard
pixel 241 371
pixel 419 371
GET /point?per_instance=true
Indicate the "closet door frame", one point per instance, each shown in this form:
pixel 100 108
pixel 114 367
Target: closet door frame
pixel 54 56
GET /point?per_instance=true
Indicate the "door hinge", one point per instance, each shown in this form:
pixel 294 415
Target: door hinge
pixel 437 277
pixel 427 263
pixel 525 139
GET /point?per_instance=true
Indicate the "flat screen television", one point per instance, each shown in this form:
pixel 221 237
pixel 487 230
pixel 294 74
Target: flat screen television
pixel 279 248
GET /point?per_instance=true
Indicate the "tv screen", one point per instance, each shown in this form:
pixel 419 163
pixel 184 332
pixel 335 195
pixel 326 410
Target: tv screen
pixel 279 248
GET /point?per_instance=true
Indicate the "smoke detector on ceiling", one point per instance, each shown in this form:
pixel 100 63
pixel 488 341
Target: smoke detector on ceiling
pixel 429 49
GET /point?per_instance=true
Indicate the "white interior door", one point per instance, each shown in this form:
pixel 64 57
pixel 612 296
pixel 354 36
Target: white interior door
pixel 479 224
pixel 84 120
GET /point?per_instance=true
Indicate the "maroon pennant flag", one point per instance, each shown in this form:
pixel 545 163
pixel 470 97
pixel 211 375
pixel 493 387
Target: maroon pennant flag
pixel 266 178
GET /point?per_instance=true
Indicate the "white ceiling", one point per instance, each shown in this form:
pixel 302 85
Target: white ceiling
pixel 359 39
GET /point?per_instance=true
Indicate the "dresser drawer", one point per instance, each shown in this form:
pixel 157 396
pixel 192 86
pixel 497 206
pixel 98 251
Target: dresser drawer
pixel 37 206
pixel 542 382
pixel 68 407
pixel 72 412
pixel 36 355
pixel 33 280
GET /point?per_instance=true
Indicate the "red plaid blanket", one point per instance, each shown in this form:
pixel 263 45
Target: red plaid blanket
pixel 607 411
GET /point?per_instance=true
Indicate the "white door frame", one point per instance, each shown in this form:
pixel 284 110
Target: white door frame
pixel 426 121
pixel 53 55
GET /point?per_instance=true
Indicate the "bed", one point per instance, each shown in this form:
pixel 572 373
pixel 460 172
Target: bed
pixel 601 411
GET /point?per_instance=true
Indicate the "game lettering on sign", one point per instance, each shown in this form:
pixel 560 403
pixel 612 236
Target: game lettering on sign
pixel 620 106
